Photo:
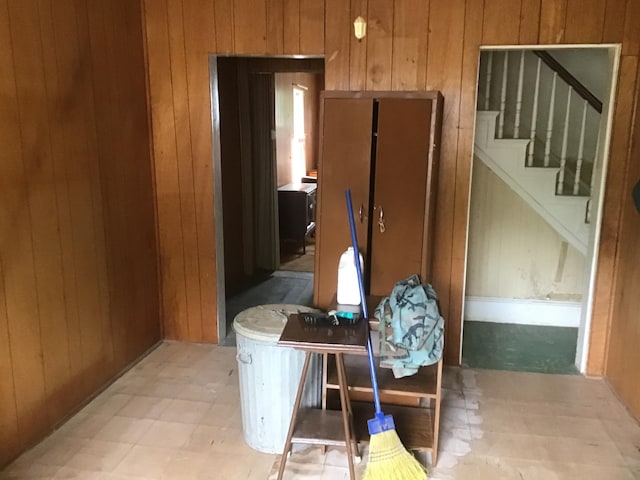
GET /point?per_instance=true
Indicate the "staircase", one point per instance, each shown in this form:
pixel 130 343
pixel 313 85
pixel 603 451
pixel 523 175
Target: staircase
pixel 537 129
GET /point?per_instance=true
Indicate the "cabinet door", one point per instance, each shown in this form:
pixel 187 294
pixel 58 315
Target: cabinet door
pixel 400 191
pixel 345 149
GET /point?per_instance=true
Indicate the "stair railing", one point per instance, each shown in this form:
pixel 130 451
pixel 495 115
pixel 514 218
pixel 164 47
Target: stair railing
pixel 505 91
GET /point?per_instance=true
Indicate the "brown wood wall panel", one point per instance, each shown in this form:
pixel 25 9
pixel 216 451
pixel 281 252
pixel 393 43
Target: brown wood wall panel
pixel 623 353
pixel 291 22
pixel 529 22
pixel 16 235
pixel 631 39
pixel 250 26
pixel 409 68
pixel 379 44
pixel 588 30
pixel 501 22
pixel 168 199
pixel 604 293
pixel 224 14
pixel 9 434
pixel 188 223
pixel 358 49
pixel 311 27
pixel 613 24
pixel 74 185
pixel 473 25
pixel 275 27
pixel 553 16
pixel 338 35
pixel 444 71
pixel 384 60
pixel 199 42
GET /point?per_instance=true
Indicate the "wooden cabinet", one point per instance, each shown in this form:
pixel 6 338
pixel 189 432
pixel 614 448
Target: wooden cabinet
pixel 297 212
pixel 383 146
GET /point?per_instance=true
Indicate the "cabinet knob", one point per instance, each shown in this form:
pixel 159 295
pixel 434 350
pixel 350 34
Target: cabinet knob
pixel 361 213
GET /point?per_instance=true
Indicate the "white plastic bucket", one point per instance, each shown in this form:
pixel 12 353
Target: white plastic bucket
pixel 269 376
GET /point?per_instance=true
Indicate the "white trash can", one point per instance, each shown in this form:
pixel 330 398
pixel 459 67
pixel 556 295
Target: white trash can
pixel 269 375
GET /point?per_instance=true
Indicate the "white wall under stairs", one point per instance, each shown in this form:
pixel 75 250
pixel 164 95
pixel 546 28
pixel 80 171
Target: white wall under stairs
pixel 536 185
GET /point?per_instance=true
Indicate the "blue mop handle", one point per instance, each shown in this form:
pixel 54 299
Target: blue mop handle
pixel 363 301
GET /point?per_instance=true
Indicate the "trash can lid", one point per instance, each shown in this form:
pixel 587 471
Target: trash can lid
pixel 265 322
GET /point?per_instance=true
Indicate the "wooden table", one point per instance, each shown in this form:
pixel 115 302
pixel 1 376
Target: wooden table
pixel 316 426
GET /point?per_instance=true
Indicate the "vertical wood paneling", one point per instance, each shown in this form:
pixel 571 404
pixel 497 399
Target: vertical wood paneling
pixel 623 354
pixel 614 15
pixel 9 134
pixel 337 32
pixel 553 16
pixel 250 26
pixel 16 233
pixel 379 44
pixel 58 309
pixel 529 22
pixel 9 435
pixel 47 240
pixel 69 57
pixel 444 72
pixel 198 43
pixel 193 319
pixel 311 27
pixel 590 27
pixel 473 24
pixel 604 292
pixel 275 27
pixel 167 189
pixel 631 40
pixel 358 49
pixel 224 22
pixel 501 22
pixel 410 24
pixel 291 23
pixel 103 248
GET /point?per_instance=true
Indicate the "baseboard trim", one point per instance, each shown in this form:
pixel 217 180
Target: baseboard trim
pixel 522 311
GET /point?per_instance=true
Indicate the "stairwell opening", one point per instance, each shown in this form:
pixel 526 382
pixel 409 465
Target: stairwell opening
pixel 542 133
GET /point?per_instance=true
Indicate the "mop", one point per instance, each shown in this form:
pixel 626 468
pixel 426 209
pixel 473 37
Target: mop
pixel 388 459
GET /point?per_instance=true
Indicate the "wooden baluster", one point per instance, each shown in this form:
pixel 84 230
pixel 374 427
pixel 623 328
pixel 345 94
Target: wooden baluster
pixel 552 103
pixel 534 115
pixel 576 182
pixel 487 92
pixel 516 129
pixel 503 94
pixel 565 139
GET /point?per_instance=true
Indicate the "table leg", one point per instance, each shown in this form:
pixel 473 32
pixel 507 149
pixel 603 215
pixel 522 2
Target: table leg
pixel 345 407
pixel 355 448
pixel 294 415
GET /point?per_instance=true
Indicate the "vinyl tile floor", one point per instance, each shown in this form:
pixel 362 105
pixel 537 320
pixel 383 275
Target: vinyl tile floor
pixel 177 415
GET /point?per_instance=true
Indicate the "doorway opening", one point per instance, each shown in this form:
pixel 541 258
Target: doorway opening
pixel 265 114
pixel 542 134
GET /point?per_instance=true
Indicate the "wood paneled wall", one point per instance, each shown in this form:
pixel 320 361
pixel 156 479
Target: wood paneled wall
pixel 411 44
pixel 78 262
pixel 623 353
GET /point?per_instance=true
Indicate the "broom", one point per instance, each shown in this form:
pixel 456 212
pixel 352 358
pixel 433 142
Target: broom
pixel 388 459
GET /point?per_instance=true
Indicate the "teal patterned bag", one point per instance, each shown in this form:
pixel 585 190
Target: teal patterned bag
pixel 412 325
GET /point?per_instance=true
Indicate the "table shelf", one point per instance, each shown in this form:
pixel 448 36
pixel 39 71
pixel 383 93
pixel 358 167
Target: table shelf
pixel 413 401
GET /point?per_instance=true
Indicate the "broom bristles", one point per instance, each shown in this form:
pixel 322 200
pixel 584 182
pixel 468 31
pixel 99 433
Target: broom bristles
pixel 389 460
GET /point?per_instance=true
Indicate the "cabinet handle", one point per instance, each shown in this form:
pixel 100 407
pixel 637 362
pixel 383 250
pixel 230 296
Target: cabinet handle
pixel 381 220
pixel 361 213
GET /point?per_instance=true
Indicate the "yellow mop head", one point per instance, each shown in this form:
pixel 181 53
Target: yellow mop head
pixel 389 460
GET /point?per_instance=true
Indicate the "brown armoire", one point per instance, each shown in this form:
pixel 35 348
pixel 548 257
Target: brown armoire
pixel 384 147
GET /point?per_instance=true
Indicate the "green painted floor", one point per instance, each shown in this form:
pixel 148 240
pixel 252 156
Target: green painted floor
pixel 522 348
